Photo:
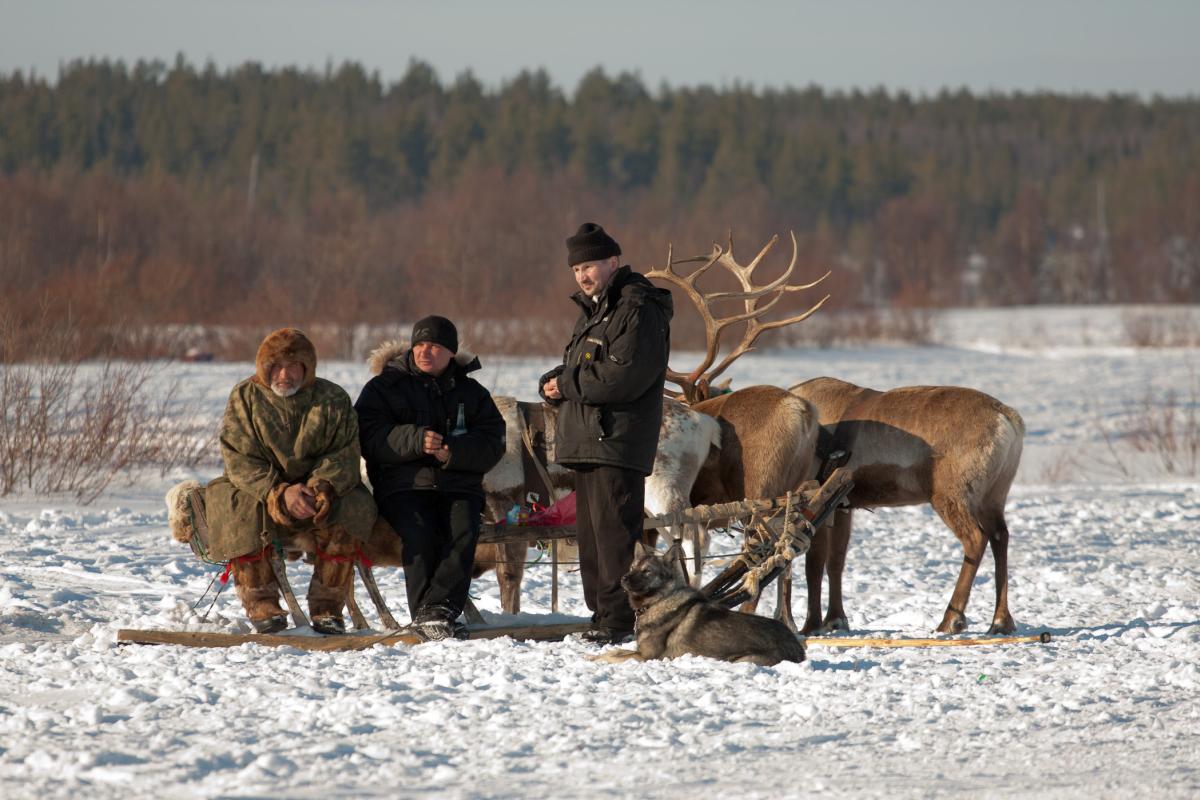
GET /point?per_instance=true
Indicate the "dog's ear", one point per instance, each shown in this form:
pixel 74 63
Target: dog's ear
pixel 640 550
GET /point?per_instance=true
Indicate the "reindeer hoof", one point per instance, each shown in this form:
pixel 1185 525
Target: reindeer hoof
pixel 832 625
pixel 952 623
pixel 1005 626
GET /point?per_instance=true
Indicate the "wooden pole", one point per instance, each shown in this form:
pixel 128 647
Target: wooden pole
pixel 554 576
pixel 349 641
pixel 1043 637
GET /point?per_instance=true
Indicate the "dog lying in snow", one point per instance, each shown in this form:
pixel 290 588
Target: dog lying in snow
pixel 673 619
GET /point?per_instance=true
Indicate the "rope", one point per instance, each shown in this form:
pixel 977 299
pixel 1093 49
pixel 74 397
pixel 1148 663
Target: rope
pixel 247 559
pixel 539 562
pixel 359 556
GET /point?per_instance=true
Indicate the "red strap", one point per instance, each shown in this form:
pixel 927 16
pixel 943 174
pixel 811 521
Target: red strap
pixel 246 559
pixel 323 556
pixel 359 555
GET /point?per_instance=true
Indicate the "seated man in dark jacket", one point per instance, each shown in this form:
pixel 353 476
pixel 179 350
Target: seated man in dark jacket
pixel 429 433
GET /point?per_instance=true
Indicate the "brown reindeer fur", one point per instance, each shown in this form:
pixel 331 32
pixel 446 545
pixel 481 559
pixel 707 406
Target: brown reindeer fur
pixel 954 448
pixel 749 463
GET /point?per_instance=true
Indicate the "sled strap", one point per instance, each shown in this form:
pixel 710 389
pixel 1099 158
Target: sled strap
pixel 532 456
pixel 359 556
pixel 246 559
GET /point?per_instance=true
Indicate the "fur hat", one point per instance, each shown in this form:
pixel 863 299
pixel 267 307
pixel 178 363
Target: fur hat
pixel 590 243
pixel 286 344
pixel 438 330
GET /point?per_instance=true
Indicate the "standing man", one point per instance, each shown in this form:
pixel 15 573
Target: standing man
pixel 429 433
pixel 610 391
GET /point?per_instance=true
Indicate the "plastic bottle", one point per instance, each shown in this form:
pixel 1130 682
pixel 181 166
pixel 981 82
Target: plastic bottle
pixel 460 426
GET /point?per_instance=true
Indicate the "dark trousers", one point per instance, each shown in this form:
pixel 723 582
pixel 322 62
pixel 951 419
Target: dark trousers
pixel 438 531
pixel 609 504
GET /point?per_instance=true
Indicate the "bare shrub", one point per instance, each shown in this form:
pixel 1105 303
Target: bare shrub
pixel 1169 430
pixel 1060 469
pixel 69 427
pixel 1166 429
pixel 1161 327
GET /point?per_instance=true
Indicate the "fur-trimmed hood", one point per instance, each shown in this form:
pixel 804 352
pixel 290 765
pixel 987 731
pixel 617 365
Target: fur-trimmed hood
pixel 394 354
pixel 285 344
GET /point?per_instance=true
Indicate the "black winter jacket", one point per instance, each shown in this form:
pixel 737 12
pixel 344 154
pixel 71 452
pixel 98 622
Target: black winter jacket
pixel 612 376
pixel 399 404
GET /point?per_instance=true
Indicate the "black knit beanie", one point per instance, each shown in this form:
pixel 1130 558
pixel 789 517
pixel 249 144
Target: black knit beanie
pixel 590 243
pixel 438 330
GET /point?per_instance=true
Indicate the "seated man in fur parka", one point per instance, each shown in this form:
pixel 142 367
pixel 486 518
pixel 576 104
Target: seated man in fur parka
pixel 290 445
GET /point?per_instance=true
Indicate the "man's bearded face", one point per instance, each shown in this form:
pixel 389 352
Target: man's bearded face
pixel 286 378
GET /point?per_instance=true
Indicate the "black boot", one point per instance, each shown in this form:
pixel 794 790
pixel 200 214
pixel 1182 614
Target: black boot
pixel 606 636
pixel 434 623
pixel 270 624
pixel 330 626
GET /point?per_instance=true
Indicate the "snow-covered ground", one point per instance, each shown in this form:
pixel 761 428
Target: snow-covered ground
pixel 1108 563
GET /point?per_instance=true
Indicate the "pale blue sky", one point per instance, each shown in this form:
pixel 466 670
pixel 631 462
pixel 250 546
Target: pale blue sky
pixel 918 45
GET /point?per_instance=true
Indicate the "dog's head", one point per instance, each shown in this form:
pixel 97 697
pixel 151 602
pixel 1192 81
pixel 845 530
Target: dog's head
pixel 649 577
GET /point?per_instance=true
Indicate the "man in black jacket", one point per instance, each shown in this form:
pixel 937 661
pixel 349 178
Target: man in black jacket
pixel 610 388
pixel 429 433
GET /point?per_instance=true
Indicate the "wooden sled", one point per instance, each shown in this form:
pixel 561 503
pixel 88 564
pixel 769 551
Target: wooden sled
pixel 550 632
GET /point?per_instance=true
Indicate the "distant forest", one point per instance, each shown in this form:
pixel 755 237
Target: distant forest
pixel 160 194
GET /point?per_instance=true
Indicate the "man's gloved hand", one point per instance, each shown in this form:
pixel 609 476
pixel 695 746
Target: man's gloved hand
pixel 323 498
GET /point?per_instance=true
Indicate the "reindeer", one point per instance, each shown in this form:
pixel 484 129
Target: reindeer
pixel 955 448
pixel 768 435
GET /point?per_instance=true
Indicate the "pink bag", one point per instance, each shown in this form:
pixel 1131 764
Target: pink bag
pixel 560 513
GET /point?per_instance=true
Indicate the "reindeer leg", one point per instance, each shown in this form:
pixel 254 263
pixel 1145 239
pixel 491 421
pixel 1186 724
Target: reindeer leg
pixel 974 543
pixel 509 575
pixel 1002 621
pixel 783 599
pixel 835 566
pixel 814 574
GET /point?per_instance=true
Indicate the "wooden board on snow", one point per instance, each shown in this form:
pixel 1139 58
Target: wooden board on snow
pixel 349 641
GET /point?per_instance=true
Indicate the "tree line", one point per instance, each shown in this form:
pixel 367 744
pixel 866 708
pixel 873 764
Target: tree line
pixel 152 194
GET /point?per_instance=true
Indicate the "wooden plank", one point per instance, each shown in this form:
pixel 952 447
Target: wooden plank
pixel 1042 637
pixel 490 533
pixel 351 641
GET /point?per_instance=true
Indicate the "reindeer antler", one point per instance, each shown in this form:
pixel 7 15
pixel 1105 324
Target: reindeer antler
pixel 695 384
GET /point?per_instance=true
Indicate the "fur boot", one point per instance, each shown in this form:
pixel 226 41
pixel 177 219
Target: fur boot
pixel 257 589
pixel 331 578
pixel 178 513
